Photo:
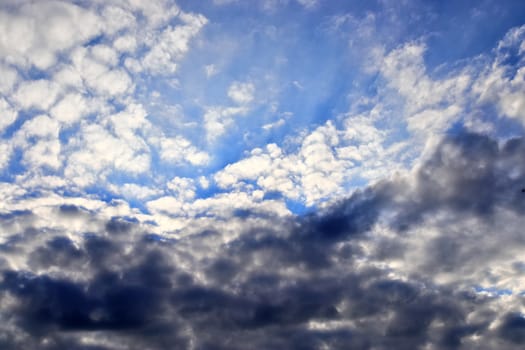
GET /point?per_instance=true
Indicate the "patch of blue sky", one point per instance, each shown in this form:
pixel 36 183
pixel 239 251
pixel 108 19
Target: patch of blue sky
pixel 493 291
pixel 208 191
pixel 155 238
pixel 22 117
pixel 298 207
pixel 475 27
pixel 34 73
pixel 14 167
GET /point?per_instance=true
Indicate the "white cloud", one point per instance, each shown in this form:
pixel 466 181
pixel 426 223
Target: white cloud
pixel 116 18
pixel 8 114
pixel 36 32
pixel 217 120
pixel 433 120
pixel 5 154
pixel 156 12
pixel 111 83
pixel 321 168
pixel 126 43
pixel 9 78
pixel 44 153
pixel 241 93
pixel 39 139
pixel 40 126
pixel 39 94
pixel 221 205
pixel 126 122
pixel 131 190
pixel 104 54
pixel 405 71
pixel 204 182
pixel 274 125
pixel 70 109
pixel 182 188
pixel 178 149
pixel 166 205
pixel 169 46
pixel 249 168
pixel 69 77
pixel 496 85
pixel 111 153
pixel 98 76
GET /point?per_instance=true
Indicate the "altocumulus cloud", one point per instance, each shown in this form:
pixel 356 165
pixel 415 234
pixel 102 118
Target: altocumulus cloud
pixel 292 174
pixel 400 264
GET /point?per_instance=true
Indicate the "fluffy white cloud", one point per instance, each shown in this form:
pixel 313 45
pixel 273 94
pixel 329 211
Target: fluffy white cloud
pixel 41 126
pixel 126 43
pixel 116 18
pixel 44 153
pixel 221 205
pixel 99 76
pixel 70 109
pixel 39 94
pixel 325 162
pixel 104 54
pixel 111 152
pixel 178 149
pixel 34 33
pixel 38 137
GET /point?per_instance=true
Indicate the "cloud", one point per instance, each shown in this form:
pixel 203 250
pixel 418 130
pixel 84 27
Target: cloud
pixel 502 83
pixel 8 113
pixel 308 3
pixel 375 215
pixel 241 93
pixel 324 279
pixel 35 33
pixel 38 94
pixel 217 120
pixel 178 149
pixel 171 44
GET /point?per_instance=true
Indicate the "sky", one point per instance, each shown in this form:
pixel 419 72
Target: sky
pixel 289 174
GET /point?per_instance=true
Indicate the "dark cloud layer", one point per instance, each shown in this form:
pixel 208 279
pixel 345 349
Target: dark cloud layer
pixel 313 282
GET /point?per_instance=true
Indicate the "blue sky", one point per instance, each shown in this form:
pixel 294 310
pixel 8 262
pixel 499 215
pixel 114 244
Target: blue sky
pixel 202 123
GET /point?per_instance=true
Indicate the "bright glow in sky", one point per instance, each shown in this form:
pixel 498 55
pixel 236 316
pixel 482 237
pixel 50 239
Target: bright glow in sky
pixel 376 143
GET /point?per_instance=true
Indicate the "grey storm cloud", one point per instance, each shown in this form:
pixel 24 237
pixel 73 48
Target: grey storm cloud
pixel 307 282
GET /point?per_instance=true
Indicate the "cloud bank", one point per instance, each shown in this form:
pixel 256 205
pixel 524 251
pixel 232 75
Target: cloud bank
pixel 403 263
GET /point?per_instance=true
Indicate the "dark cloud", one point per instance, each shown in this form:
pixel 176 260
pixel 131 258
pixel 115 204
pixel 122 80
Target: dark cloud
pixel 298 283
